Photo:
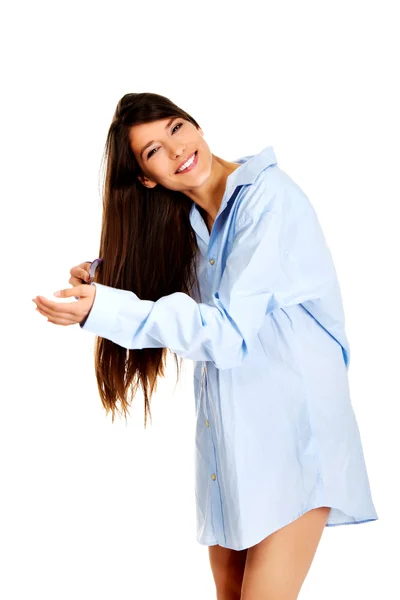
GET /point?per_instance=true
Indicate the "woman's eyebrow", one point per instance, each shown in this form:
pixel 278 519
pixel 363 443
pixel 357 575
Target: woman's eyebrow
pixel 152 141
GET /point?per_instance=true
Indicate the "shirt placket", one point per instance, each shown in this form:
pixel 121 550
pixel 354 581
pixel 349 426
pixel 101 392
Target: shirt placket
pixel 216 505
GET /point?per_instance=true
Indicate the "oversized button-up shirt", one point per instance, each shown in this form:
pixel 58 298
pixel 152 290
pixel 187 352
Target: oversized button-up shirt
pixel 276 434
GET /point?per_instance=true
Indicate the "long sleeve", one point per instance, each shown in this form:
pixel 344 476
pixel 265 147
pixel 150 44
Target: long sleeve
pixel 278 258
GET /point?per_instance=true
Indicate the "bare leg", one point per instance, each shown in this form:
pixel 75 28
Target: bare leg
pixel 227 567
pixel 277 566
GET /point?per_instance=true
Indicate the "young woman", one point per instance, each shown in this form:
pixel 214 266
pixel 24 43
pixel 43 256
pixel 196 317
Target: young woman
pixel 224 263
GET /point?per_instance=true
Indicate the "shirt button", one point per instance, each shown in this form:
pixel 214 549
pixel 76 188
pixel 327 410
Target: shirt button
pixel 212 261
pixel 204 369
pixel 207 423
pixel 213 477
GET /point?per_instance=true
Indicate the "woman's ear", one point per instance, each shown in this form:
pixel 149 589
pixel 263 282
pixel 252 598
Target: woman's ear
pixel 146 182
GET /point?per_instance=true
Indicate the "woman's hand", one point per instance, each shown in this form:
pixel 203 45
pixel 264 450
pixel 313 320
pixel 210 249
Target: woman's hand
pixel 80 274
pixel 70 313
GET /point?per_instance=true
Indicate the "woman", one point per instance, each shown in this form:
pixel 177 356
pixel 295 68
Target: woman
pixel 225 263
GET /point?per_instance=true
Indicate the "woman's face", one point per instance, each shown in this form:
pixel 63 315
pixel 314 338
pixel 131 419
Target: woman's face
pixel 160 148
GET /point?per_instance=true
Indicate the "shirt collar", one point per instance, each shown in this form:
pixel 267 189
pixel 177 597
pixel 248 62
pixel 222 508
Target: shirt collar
pixel 250 168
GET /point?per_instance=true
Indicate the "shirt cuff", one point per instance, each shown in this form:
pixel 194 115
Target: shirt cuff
pixel 102 316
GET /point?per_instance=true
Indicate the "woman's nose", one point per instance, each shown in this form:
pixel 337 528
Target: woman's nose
pixel 177 153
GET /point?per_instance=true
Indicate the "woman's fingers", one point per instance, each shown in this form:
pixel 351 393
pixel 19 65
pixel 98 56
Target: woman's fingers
pixel 84 274
pixel 79 274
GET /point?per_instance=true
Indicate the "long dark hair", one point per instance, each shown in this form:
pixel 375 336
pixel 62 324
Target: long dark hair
pixel 148 247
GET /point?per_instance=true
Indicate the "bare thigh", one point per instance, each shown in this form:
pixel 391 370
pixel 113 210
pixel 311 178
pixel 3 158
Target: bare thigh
pixel 227 567
pixel 277 566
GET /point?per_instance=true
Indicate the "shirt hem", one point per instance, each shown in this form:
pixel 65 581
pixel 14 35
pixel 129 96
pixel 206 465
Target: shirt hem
pixel 354 521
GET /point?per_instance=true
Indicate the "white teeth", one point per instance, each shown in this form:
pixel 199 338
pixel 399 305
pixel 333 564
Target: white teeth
pixel 187 164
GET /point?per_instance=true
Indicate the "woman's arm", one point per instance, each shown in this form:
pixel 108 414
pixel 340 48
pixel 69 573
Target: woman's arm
pixel 279 258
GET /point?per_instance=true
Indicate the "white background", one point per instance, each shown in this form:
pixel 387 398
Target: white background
pixel 91 509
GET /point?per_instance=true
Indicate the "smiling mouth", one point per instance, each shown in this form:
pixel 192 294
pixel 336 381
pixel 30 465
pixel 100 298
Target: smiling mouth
pixel 193 158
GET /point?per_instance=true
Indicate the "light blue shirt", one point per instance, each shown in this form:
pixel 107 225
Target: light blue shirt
pixel 275 433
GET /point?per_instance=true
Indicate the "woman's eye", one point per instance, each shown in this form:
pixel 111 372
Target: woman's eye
pixel 154 149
